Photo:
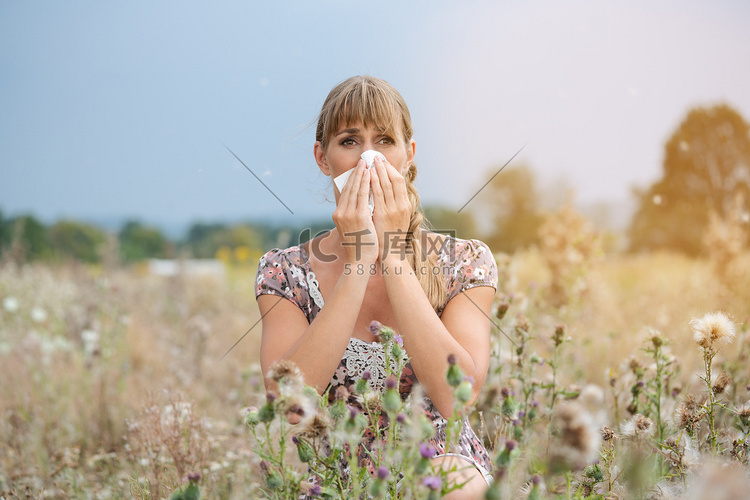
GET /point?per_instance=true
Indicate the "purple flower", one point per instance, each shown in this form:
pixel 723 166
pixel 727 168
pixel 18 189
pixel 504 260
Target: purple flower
pixel 375 327
pixel 295 440
pixel 270 397
pixel 391 382
pixel 432 482
pixel 353 411
pixel 315 490
pixel 452 359
pixel 398 339
pixel 382 472
pixel 521 414
pixel 401 418
pixel 366 375
pixel 536 480
pixel 194 477
pixel 510 445
pixel 427 450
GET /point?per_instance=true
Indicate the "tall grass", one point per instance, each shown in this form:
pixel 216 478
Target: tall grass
pixel 113 384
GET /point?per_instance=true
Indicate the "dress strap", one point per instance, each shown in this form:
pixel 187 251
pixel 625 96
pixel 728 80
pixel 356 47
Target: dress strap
pixel 312 286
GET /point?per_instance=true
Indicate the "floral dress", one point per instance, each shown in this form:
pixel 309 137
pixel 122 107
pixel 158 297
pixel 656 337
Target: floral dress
pixel 464 264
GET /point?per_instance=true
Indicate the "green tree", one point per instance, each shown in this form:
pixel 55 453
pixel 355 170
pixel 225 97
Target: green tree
pixel 76 240
pixel 511 202
pixel 449 219
pixel 138 242
pixel 706 164
pixel 24 237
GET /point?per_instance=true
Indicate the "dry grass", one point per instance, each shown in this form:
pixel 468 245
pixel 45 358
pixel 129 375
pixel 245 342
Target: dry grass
pixel 87 386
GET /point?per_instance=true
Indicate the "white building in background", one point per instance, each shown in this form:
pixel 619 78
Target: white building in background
pixel 186 267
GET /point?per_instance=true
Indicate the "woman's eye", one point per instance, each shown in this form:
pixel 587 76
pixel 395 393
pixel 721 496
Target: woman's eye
pixel 386 140
pixel 347 142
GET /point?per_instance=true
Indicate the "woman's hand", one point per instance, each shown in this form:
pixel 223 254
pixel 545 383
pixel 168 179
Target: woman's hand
pixel 392 210
pixel 353 220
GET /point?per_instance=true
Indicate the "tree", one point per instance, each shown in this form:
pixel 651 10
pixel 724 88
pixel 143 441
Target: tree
pixel 444 219
pixel 706 165
pixel 511 202
pixel 138 242
pixel 77 240
pixel 24 237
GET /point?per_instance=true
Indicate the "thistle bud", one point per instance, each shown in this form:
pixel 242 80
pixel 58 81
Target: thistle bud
pixel 502 309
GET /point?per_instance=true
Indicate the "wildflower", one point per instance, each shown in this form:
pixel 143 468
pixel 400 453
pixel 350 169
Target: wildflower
pixel 401 418
pixel 578 438
pixel 381 332
pixel 391 382
pixel 315 427
pixel 721 383
pixel 366 375
pixel 608 434
pixel 689 412
pixel 38 315
pixel 713 331
pixel 427 450
pixel 559 336
pixel 382 472
pixel 744 413
pixel 194 477
pixel 342 393
pixel 637 426
pixel 502 309
pixel 310 489
pixel 522 323
pixel 433 482
pixel 251 416
pixel 287 371
pixel 10 304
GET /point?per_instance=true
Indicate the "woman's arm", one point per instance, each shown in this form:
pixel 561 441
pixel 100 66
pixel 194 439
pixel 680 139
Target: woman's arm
pixel 463 330
pixel 317 348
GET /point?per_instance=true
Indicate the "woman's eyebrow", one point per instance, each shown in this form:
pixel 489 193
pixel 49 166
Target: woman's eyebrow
pixel 348 131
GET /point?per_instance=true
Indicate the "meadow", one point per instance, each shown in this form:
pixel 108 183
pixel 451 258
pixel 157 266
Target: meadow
pixel 115 384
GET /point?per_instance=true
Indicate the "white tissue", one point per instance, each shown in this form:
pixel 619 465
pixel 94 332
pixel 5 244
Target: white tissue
pixel 369 157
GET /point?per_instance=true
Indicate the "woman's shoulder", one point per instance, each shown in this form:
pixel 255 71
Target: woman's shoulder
pixel 283 257
pixel 451 248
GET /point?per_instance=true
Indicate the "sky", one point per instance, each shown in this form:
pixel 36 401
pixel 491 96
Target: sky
pixel 115 110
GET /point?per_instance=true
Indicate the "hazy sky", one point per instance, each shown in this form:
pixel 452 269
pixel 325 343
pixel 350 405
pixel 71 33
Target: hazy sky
pixel 115 109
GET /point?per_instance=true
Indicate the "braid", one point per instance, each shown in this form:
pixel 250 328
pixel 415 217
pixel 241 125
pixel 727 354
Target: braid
pixel 426 267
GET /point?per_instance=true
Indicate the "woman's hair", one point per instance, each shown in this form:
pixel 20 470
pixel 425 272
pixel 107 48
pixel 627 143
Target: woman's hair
pixel 375 102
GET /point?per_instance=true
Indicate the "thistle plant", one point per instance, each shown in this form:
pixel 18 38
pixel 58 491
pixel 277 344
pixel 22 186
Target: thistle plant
pixel 712 332
pixel 366 443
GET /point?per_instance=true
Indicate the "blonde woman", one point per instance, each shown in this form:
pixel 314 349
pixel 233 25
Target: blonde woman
pixel 436 291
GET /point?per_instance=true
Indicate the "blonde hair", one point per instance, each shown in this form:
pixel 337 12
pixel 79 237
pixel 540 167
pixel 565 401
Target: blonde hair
pixel 375 102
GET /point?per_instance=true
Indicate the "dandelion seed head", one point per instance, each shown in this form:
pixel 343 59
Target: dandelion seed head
pixel 721 383
pixel 315 427
pixel 638 426
pixel 286 371
pixel 713 331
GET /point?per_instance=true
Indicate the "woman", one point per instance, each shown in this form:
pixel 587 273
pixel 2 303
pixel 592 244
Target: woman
pixel 435 291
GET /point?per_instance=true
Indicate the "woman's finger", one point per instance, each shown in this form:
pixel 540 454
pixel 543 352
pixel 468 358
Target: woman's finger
pixel 385 182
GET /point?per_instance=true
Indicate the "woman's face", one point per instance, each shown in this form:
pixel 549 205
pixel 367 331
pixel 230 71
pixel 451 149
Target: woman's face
pixel 347 144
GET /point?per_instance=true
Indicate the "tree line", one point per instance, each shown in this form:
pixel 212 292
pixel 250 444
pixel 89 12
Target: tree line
pixel 705 176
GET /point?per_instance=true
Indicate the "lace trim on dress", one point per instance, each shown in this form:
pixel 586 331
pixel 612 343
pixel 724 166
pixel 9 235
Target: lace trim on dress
pixel 312 286
pixel 361 356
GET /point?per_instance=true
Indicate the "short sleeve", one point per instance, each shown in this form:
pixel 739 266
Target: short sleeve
pixel 274 276
pixel 474 266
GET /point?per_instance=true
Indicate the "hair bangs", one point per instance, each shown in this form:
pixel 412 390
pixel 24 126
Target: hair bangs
pixel 362 101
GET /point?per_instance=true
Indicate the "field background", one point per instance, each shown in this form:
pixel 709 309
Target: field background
pixel 113 382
